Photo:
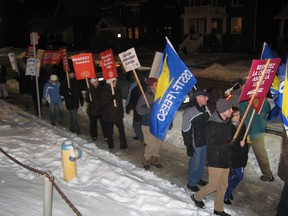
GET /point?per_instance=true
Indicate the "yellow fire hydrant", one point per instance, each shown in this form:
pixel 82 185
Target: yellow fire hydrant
pixel 69 155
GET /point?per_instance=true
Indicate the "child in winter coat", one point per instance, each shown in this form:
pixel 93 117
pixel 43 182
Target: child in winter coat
pixel 239 157
pixel 51 93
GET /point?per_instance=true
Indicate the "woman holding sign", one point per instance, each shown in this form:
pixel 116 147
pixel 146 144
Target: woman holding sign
pixel 113 114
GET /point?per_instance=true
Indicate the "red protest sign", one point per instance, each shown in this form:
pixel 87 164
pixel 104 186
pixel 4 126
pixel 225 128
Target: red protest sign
pixel 65 59
pixel 254 75
pixel 83 66
pixel 51 57
pixel 108 64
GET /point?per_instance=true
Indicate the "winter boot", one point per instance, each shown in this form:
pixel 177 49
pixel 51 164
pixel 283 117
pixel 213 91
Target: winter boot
pixel 155 162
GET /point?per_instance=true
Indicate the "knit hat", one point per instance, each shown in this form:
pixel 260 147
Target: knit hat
pixel 53 77
pixel 151 81
pixel 92 80
pixel 108 81
pixel 223 105
pixel 200 92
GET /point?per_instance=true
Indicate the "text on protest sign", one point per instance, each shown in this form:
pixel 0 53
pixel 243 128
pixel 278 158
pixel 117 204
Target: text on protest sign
pixel 254 76
pixel 13 61
pixel 30 67
pixel 65 59
pixel 129 60
pixel 51 57
pixel 108 64
pixel 83 65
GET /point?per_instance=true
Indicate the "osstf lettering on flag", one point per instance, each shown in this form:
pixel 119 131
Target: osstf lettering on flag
pixel 83 65
pixel 175 81
pixel 108 64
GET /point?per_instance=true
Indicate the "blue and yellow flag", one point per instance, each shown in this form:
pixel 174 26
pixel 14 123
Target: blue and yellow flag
pixel 279 87
pixel 175 81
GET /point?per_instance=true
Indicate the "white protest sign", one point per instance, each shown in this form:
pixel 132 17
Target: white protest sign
pixel 34 37
pixel 156 64
pixel 30 67
pixel 129 60
pixel 13 62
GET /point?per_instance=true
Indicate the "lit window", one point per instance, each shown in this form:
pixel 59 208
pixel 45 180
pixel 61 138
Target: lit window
pixel 130 33
pixel 136 31
pixel 168 30
pixel 236 25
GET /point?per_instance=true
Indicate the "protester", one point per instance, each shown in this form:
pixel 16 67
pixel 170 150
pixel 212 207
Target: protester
pixel 94 110
pixel 73 97
pixel 153 144
pixel 113 114
pixel 239 157
pixel 256 134
pixel 3 88
pixel 42 79
pixel 219 134
pixel 194 121
pixel 24 83
pixel 51 94
pixel 134 94
pixel 282 208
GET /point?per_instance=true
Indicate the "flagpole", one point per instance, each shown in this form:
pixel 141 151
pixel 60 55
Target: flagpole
pixel 141 89
pixel 252 99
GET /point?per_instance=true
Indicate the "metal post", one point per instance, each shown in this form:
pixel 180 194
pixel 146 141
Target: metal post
pixel 48 194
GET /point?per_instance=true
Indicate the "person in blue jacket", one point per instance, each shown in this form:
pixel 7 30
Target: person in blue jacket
pixel 51 94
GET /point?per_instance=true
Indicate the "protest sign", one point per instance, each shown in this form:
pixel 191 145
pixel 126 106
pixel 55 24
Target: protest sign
pixel 83 66
pixel 108 64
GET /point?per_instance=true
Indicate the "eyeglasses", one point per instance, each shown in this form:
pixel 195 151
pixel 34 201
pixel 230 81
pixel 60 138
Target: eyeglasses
pixel 236 114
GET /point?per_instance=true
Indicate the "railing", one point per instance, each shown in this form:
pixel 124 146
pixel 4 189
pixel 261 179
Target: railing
pixel 204 10
pixel 49 182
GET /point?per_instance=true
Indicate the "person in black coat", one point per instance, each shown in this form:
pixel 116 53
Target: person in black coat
pixel 94 111
pixel 3 88
pixel 73 97
pixel 219 135
pixel 24 83
pixel 113 114
pixel 239 157
pixel 132 100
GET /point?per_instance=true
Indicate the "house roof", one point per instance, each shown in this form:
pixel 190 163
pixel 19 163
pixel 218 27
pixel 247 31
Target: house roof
pixel 111 22
pixel 283 14
pixel 83 8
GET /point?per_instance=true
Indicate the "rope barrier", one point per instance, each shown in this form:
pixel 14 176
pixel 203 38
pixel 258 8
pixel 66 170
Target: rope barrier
pixel 49 175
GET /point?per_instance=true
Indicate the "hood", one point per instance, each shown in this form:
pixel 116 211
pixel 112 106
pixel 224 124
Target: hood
pixel 217 118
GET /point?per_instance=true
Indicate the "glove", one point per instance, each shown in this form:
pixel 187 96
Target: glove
pixel 231 143
pixel 190 151
pixel 113 97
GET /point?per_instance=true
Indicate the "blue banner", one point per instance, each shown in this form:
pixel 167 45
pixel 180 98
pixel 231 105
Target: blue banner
pixel 279 88
pixel 175 81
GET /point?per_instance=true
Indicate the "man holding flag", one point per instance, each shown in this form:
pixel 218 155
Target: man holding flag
pixel 175 81
pixel 153 144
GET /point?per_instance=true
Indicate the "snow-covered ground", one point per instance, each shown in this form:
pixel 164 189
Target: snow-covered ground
pixel 115 183
pixel 106 184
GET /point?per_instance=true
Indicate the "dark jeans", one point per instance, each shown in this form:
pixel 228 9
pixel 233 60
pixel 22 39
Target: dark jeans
pixel 74 126
pixel 282 209
pixel 93 125
pixel 52 107
pixel 109 126
pixel 233 180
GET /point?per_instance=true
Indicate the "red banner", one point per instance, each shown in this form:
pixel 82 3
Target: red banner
pixel 254 76
pixel 51 57
pixel 83 66
pixel 108 64
pixel 65 59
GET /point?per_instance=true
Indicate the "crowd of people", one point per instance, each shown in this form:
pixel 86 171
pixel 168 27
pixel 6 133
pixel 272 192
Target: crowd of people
pixel 209 124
